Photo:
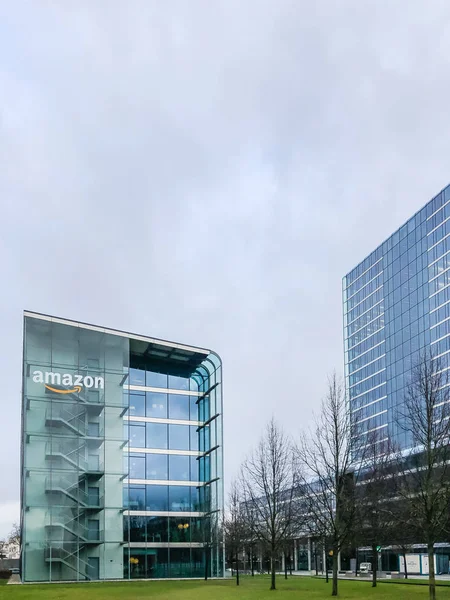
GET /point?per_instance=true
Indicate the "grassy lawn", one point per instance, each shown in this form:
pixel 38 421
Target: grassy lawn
pixel 256 588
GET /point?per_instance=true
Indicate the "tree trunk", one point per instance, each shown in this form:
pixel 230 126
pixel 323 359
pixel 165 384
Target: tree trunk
pixel 285 566
pixel 335 572
pixel 325 559
pixel 404 562
pixel 290 564
pixel 237 569
pixel 251 559
pixel 315 560
pixel 357 562
pixel 432 574
pixel 272 569
pixel 375 565
pixel 206 563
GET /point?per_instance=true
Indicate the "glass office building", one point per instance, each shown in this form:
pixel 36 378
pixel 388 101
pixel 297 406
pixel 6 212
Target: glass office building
pixel 122 455
pixel 396 305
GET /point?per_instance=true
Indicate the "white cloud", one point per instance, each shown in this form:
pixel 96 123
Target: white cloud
pixel 207 172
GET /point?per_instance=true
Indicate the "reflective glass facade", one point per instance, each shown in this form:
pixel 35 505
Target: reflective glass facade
pixel 122 463
pixel 397 304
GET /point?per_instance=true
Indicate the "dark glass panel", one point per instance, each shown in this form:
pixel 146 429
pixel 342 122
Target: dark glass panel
pixel 157 497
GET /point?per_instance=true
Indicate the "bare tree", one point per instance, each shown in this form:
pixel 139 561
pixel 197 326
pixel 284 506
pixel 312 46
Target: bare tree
pixel 287 557
pixel 15 535
pixel 268 482
pixel 424 469
pixel 327 458
pixel 235 526
pixel 375 496
pixel 403 533
pixel 251 543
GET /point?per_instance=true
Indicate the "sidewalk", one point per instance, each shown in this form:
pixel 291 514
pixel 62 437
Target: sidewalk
pixel 367 578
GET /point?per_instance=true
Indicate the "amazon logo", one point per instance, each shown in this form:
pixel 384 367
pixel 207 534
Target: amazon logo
pixel 72 383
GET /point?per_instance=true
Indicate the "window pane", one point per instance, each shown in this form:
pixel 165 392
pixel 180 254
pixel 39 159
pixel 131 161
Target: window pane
pixel 179 468
pixel 194 468
pixel 204 439
pixel 194 438
pixel 136 497
pixel 137 467
pixel 179 530
pixel 178 383
pixel 126 529
pixel 137 563
pixel 157 405
pixel 198 529
pixel 157 497
pixel 204 409
pixel 157 435
pixel 201 501
pixel 137 435
pixel 94 429
pixel 194 408
pixel 137 377
pixel 159 568
pixel 156 379
pixel 178 407
pixel 137 405
pixel 179 498
pixel 157 529
pixel 179 437
pixel 137 529
pixel 180 562
pixel 204 463
pixel 197 499
pixel 156 466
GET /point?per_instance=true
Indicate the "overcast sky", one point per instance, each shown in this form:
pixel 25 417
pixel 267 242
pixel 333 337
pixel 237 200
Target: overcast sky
pixel 206 171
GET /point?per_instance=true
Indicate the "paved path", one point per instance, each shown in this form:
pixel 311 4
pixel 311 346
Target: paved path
pixel 368 578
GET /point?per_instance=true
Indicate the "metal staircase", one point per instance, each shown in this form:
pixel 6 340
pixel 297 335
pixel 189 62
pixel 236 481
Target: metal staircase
pixel 75 461
pixel 63 526
pixel 72 560
pixel 67 532
pixel 73 455
pixel 72 419
pixel 72 489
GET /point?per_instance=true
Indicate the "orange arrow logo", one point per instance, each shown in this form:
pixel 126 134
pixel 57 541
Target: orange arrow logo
pixel 76 389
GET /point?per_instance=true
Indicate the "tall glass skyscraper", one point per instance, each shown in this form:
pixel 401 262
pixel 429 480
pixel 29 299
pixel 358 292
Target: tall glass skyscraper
pixel 396 305
pixel 122 455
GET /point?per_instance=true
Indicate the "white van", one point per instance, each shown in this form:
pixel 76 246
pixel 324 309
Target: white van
pixel 365 567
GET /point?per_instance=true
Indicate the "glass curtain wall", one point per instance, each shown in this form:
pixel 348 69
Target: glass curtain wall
pixel 72 447
pixel 174 493
pixel 396 305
